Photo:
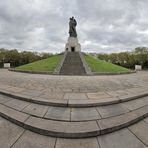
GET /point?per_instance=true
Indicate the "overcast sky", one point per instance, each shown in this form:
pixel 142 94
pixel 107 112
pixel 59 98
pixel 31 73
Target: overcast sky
pixel 103 25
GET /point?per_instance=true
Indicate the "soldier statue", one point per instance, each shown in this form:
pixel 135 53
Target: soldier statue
pixel 72 27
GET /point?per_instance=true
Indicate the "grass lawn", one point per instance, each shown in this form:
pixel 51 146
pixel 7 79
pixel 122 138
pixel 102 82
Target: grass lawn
pixel 48 64
pixel 97 65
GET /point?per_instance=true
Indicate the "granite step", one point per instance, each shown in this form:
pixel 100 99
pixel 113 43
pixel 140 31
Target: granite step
pixel 62 129
pixel 70 113
pixel 74 102
pixel 135 136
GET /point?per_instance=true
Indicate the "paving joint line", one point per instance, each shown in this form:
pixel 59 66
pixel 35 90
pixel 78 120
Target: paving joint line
pixel 136 135
pixel 55 142
pixel 24 130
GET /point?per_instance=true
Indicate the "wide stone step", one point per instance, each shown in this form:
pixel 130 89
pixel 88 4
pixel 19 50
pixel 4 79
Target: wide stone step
pixel 73 129
pixel 73 114
pixel 73 67
pixel 73 63
pixel 71 71
pixel 73 59
pixel 70 64
pixel 75 102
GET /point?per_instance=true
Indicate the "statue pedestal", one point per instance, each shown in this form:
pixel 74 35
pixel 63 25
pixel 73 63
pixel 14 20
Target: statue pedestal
pixel 73 45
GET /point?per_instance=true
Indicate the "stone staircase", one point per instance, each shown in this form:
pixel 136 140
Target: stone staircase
pixel 72 65
pixel 76 121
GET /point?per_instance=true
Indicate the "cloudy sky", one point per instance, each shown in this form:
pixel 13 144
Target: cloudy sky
pixel 103 25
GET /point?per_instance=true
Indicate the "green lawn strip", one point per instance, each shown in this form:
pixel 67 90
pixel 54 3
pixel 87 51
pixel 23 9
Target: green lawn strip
pixel 97 65
pixel 48 64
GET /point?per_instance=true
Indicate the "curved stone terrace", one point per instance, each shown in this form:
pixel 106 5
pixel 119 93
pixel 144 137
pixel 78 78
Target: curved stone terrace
pixel 73 111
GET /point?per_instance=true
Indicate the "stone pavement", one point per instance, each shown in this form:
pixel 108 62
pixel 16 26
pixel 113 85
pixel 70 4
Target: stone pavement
pixel 36 85
pixel 73 111
pixel 66 90
pixel 135 136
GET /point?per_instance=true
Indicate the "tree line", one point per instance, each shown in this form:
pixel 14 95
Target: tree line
pixel 139 56
pixel 128 59
pixel 16 58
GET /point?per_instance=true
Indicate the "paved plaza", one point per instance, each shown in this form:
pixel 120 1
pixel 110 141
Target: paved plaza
pixel 73 111
pixel 38 85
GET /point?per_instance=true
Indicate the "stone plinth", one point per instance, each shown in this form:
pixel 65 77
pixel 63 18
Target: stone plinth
pixel 73 45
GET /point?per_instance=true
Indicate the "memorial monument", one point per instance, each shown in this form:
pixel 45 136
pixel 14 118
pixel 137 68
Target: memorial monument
pixel 73 61
pixel 72 44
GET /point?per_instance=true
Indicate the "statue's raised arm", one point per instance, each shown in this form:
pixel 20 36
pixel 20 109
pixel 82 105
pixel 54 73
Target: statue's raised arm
pixel 72 27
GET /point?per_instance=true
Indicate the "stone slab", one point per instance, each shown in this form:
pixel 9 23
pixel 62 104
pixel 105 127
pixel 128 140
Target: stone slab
pixel 62 129
pixel 120 139
pixel 9 133
pixel 32 93
pixel 36 110
pixel 115 123
pixel 133 96
pixel 91 103
pixel 136 89
pixel 106 101
pixel 33 140
pixel 71 96
pixel 4 99
pixel 134 104
pixel 13 115
pixel 52 95
pixel 84 114
pixel 117 93
pixel 141 131
pixel 146 120
pixel 80 103
pixel 17 104
pixel 15 89
pixel 58 113
pixel 51 102
pixel 66 90
pixel 145 99
pixel 98 95
pixel 77 143
pixel 20 96
pixel 4 86
pixel 112 110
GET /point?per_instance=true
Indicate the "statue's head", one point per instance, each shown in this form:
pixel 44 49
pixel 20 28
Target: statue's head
pixel 72 17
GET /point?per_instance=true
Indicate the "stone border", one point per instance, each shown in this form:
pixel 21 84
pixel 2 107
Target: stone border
pixel 85 65
pixel 56 72
pixel 29 71
pixel 59 66
pixel 110 73
pixel 75 130
pixel 74 102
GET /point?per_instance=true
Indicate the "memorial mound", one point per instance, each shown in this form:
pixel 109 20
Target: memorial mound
pixel 48 64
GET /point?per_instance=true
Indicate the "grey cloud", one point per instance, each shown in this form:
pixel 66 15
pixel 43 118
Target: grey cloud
pixel 103 26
